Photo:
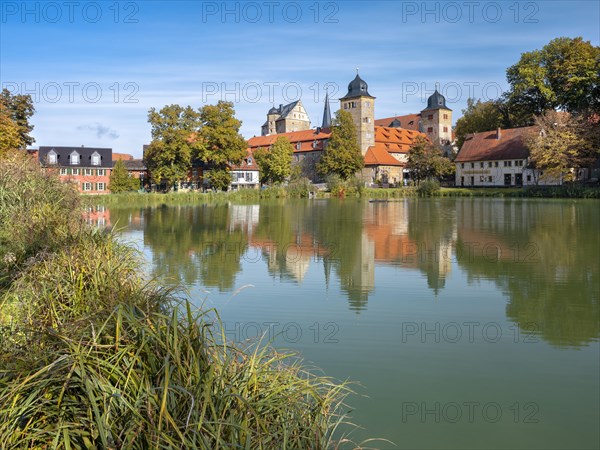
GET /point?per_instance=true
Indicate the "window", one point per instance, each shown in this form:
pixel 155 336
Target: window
pixel 505 163
pixel 445 129
pixel 430 117
pixel 489 164
pixel 481 178
pixel 298 145
pixel 462 165
pixel 100 186
pixel 528 177
pixel 445 116
pixel 472 165
pixel 74 158
pixel 249 177
pixel 430 130
pixel 52 157
pixel 481 165
pixel 509 163
pixel 95 159
pixel 101 172
pixel 75 171
pixel 63 171
pixel 87 186
pixel 87 172
pixel 495 163
pixel 490 179
pixel 249 160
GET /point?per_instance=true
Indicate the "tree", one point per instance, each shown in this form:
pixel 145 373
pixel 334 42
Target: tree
pixel 9 132
pixel 477 117
pixel 276 163
pixel 561 145
pixel 20 109
pixel 222 143
pixel 174 132
pixel 564 75
pixel 342 154
pixel 120 181
pixel 425 160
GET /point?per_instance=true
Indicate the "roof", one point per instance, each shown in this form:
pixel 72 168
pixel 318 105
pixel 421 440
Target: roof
pixel 377 156
pixel 395 140
pixel 436 101
pixel 121 156
pixel 134 164
pixel 485 146
pixel 408 121
pixel 248 163
pixel 306 138
pixel 357 88
pixel 85 155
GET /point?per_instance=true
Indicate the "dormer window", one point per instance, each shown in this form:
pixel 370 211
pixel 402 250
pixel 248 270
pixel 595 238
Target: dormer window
pixel 315 144
pixel 95 159
pixel 52 157
pixel 249 161
pixel 298 145
pixel 74 158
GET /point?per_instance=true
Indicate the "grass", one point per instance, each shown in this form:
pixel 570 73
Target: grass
pixel 94 356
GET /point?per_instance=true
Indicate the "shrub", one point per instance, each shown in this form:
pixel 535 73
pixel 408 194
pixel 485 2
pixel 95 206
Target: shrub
pixel 428 188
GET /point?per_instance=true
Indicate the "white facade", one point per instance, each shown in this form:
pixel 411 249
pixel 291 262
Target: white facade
pixel 248 178
pixel 496 173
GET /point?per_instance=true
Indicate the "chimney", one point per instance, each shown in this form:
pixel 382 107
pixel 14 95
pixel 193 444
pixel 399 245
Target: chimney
pixel 498 135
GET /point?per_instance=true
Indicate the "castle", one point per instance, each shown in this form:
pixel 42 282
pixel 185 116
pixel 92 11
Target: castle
pixel 384 143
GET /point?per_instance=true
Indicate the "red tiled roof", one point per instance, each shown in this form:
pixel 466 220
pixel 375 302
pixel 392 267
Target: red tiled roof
pixel 121 157
pixel 377 156
pixel 408 121
pixel 306 138
pixel 485 146
pixel 395 140
pixel 244 165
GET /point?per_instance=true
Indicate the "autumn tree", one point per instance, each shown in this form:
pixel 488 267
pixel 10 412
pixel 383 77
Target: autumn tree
pixel 120 180
pixel 425 160
pixel 9 133
pixel 563 75
pixel 221 142
pixel 477 117
pixel 561 146
pixel 19 108
pixel 342 155
pixel 174 132
pixel 275 163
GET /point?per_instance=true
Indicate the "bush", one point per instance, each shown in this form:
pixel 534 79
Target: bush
pixel 428 188
pixel 300 188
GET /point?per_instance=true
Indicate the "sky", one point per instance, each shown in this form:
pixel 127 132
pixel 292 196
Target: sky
pixel 95 68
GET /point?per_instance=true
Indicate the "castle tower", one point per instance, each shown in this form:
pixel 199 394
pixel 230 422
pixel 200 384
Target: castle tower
pixel 361 105
pixel 436 120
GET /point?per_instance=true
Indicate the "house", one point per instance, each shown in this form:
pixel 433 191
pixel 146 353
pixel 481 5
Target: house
pixel 245 175
pixel 87 167
pixel 135 167
pixel 497 158
pixel 290 117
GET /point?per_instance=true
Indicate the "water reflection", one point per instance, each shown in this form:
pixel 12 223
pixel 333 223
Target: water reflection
pixel 543 255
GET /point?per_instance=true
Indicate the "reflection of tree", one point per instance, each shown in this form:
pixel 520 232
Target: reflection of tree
pixel 195 243
pixel 431 227
pixel 546 260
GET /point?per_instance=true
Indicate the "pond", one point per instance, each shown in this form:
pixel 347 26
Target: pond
pixel 468 323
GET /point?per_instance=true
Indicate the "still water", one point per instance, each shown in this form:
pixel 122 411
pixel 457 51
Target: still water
pixel 467 323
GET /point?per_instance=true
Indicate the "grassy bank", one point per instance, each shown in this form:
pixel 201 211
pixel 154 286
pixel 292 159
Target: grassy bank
pixel 190 198
pixel 94 356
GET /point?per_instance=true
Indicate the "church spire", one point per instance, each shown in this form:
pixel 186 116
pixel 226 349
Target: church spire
pixel 326 113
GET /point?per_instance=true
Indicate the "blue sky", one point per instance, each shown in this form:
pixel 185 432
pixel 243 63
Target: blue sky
pixel 95 68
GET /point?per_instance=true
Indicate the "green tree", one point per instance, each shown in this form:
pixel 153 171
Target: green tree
pixel 120 181
pixel 561 145
pixel 174 141
pixel 564 74
pixel 425 160
pixel 275 163
pixel 222 143
pixel 477 117
pixel 20 109
pixel 9 133
pixel 342 154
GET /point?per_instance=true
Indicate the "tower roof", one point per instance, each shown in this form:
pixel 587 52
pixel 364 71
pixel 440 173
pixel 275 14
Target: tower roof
pixel 436 101
pixel 357 88
pixel 326 113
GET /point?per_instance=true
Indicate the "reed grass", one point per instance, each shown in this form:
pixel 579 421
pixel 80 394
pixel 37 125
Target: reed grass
pixel 94 356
